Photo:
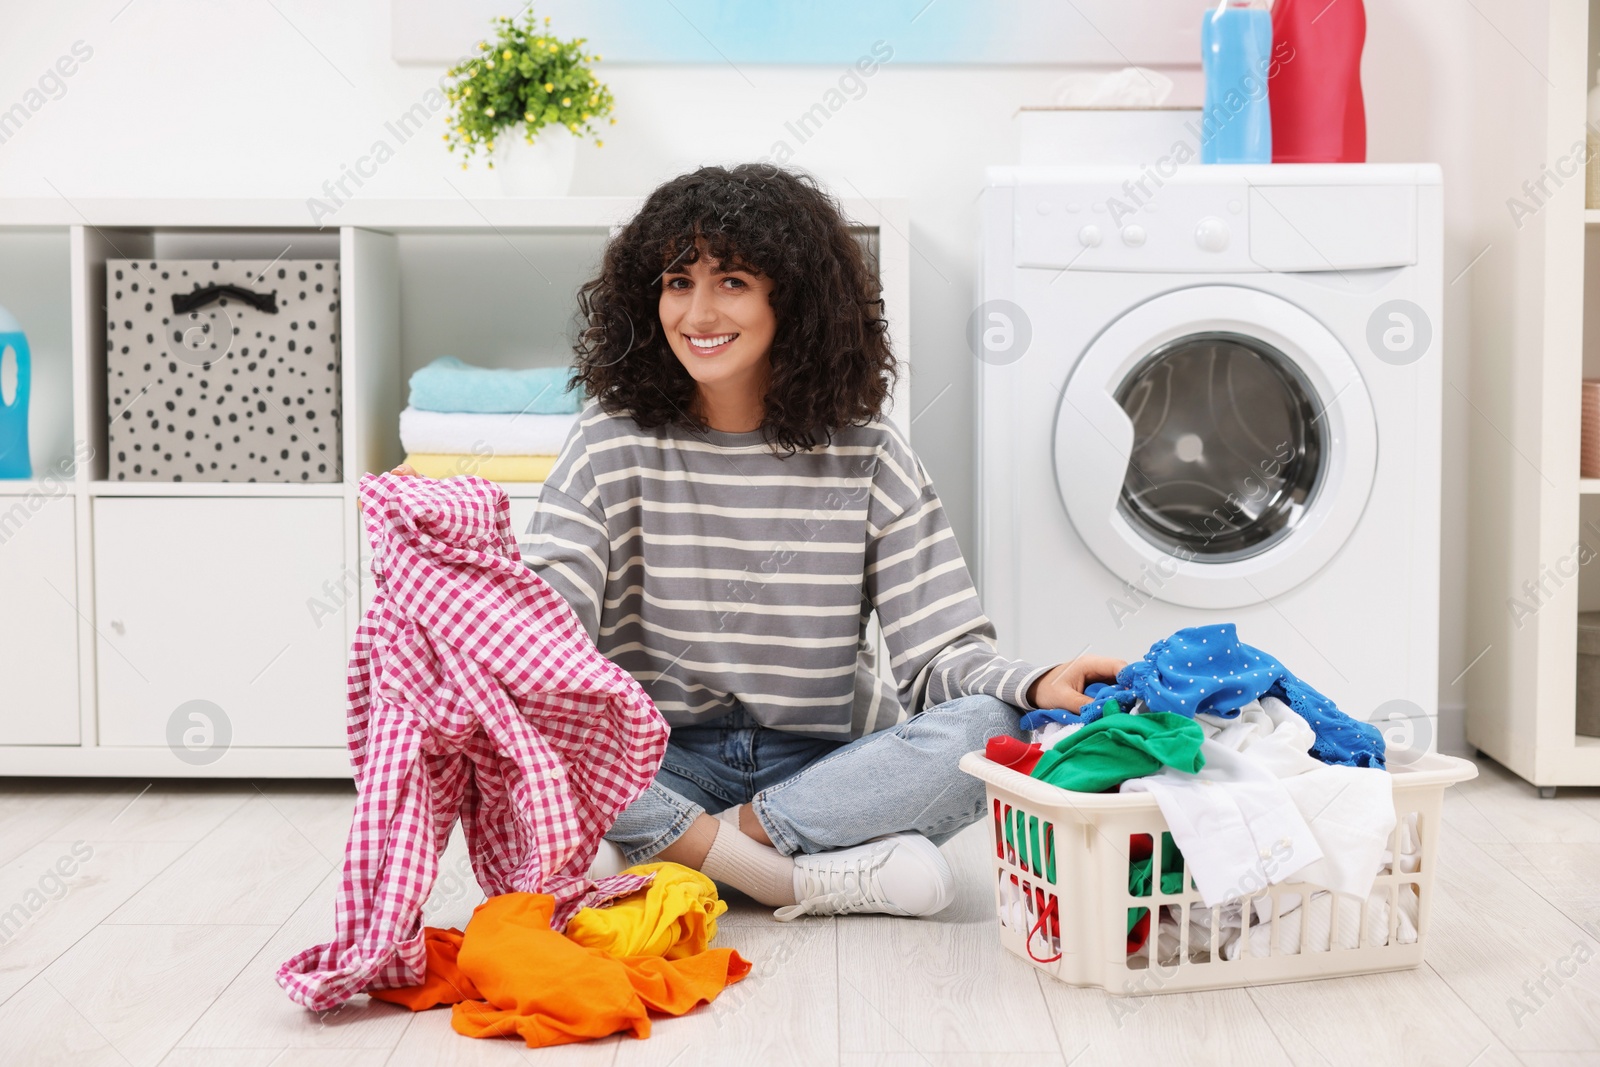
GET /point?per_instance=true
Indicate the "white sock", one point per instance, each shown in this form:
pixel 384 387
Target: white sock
pixel 756 870
pixel 608 860
pixel 729 815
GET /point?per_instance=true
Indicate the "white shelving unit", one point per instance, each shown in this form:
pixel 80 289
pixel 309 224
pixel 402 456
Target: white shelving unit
pixel 122 602
pixel 1536 329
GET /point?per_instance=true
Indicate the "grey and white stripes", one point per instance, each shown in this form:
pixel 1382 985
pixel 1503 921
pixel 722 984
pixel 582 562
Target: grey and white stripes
pixel 718 573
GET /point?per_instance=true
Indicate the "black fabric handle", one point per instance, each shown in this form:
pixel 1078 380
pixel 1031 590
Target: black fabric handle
pixel 182 302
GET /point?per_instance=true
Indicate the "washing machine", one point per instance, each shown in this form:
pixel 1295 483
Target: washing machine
pixel 1212 394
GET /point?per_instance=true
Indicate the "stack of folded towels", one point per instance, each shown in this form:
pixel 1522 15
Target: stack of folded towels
pixel 503 425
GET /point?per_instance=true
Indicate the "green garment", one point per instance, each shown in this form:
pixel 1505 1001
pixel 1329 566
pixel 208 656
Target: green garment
pixel 1139 877
pixel 1118 746
pixel 1171 870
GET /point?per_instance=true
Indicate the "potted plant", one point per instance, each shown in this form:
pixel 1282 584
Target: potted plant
pixel 525 100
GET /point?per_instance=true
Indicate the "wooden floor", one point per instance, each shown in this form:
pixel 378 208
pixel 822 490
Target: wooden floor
pixel 159 948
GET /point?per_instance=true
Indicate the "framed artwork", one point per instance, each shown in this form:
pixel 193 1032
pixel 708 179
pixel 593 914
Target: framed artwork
pixel 1113 33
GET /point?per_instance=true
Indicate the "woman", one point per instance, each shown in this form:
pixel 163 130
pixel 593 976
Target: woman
pixel 726 515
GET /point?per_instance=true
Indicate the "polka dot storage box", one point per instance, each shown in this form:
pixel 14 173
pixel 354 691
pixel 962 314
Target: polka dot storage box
pixel 223 370
pixel 1070 905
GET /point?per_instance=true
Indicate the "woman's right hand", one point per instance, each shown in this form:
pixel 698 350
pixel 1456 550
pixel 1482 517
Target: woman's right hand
pixel 405 471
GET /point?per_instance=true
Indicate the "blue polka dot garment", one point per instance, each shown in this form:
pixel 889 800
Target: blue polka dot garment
pixel 1208 669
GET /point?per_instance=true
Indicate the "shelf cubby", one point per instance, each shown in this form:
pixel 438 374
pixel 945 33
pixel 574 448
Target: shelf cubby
pixel 279 247
pixel 36 287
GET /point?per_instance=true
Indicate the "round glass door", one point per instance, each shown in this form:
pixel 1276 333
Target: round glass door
pixel 1228 447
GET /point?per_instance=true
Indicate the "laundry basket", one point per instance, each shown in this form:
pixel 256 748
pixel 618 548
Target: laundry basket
pixel 1063 894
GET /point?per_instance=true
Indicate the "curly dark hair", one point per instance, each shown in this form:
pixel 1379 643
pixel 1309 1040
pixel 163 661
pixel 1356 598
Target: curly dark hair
pixel 831 364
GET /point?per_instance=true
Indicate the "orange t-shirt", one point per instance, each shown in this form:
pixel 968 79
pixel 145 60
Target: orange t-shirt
pixel 510 973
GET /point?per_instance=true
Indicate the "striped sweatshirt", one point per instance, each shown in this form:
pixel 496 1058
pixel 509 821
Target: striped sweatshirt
pixel 720 575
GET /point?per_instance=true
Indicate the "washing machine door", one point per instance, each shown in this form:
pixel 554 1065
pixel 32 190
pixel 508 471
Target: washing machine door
pixel 1215 446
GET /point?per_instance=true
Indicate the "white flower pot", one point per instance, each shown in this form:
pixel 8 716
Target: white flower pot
pixel 543 168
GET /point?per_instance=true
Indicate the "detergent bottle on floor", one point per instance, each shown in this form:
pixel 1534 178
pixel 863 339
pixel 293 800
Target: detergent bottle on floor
pixel 1236 52
pixel 1318 115
pixel 14 378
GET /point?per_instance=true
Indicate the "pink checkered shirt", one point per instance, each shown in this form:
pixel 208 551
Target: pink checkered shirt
pixel 474 693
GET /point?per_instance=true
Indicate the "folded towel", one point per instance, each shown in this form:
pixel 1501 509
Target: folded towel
pixel 494 468
pixel 504 435
pixel 447 384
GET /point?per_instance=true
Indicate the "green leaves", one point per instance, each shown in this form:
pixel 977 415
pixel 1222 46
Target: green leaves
pixel 526 80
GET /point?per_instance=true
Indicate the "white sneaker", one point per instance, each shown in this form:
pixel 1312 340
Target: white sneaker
pixel 901 874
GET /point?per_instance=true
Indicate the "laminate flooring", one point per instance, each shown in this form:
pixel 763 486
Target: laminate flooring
pixel 183 897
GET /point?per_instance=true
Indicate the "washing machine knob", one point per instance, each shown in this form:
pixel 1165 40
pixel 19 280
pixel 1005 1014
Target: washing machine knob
pixel 1089 236
pixel 1133 235
pixel 1211 234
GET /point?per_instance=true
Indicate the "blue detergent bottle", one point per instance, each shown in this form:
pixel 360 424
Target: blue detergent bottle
pixel 1236 51
pixel 14 461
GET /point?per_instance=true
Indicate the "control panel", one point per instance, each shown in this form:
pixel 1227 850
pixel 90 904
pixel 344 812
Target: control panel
pixel 1196 221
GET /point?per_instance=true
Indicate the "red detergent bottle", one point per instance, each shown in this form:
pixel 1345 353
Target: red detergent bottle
pixel 1314 84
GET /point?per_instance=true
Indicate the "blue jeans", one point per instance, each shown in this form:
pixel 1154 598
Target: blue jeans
pixel 813 794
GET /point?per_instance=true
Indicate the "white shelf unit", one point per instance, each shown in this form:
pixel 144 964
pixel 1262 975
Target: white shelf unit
pixel 122 601
pixel 1536 329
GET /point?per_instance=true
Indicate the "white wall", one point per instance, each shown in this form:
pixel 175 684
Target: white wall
pixel 188 99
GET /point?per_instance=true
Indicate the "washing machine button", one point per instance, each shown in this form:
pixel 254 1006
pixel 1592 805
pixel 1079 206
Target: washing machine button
pixel 1089 236
pixel 1133 235
pixel 1211 234
pixel 1044 207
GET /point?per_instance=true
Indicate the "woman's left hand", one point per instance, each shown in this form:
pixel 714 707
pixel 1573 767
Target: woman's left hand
pixel 1062 686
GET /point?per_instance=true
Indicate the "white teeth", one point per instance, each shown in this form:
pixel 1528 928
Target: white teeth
pixel 711 342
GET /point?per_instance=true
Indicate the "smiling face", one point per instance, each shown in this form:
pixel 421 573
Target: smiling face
pixel 720 324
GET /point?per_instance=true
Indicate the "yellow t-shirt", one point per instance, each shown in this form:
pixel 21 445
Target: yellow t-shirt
pixel 675 916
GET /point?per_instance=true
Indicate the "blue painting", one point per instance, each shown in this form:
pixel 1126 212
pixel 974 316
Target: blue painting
pixel 832 32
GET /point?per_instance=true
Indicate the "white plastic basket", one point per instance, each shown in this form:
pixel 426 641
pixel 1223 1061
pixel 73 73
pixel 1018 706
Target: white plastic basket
pixel 1062 893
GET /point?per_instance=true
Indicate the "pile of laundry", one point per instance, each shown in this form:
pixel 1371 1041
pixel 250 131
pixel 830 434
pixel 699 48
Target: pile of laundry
pixel 503 425
pixel 510 973
pixel 476 696
pixel 1260 780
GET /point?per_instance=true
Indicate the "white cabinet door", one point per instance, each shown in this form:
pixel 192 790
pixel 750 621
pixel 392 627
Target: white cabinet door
pixel 38 620
pixel 221 623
